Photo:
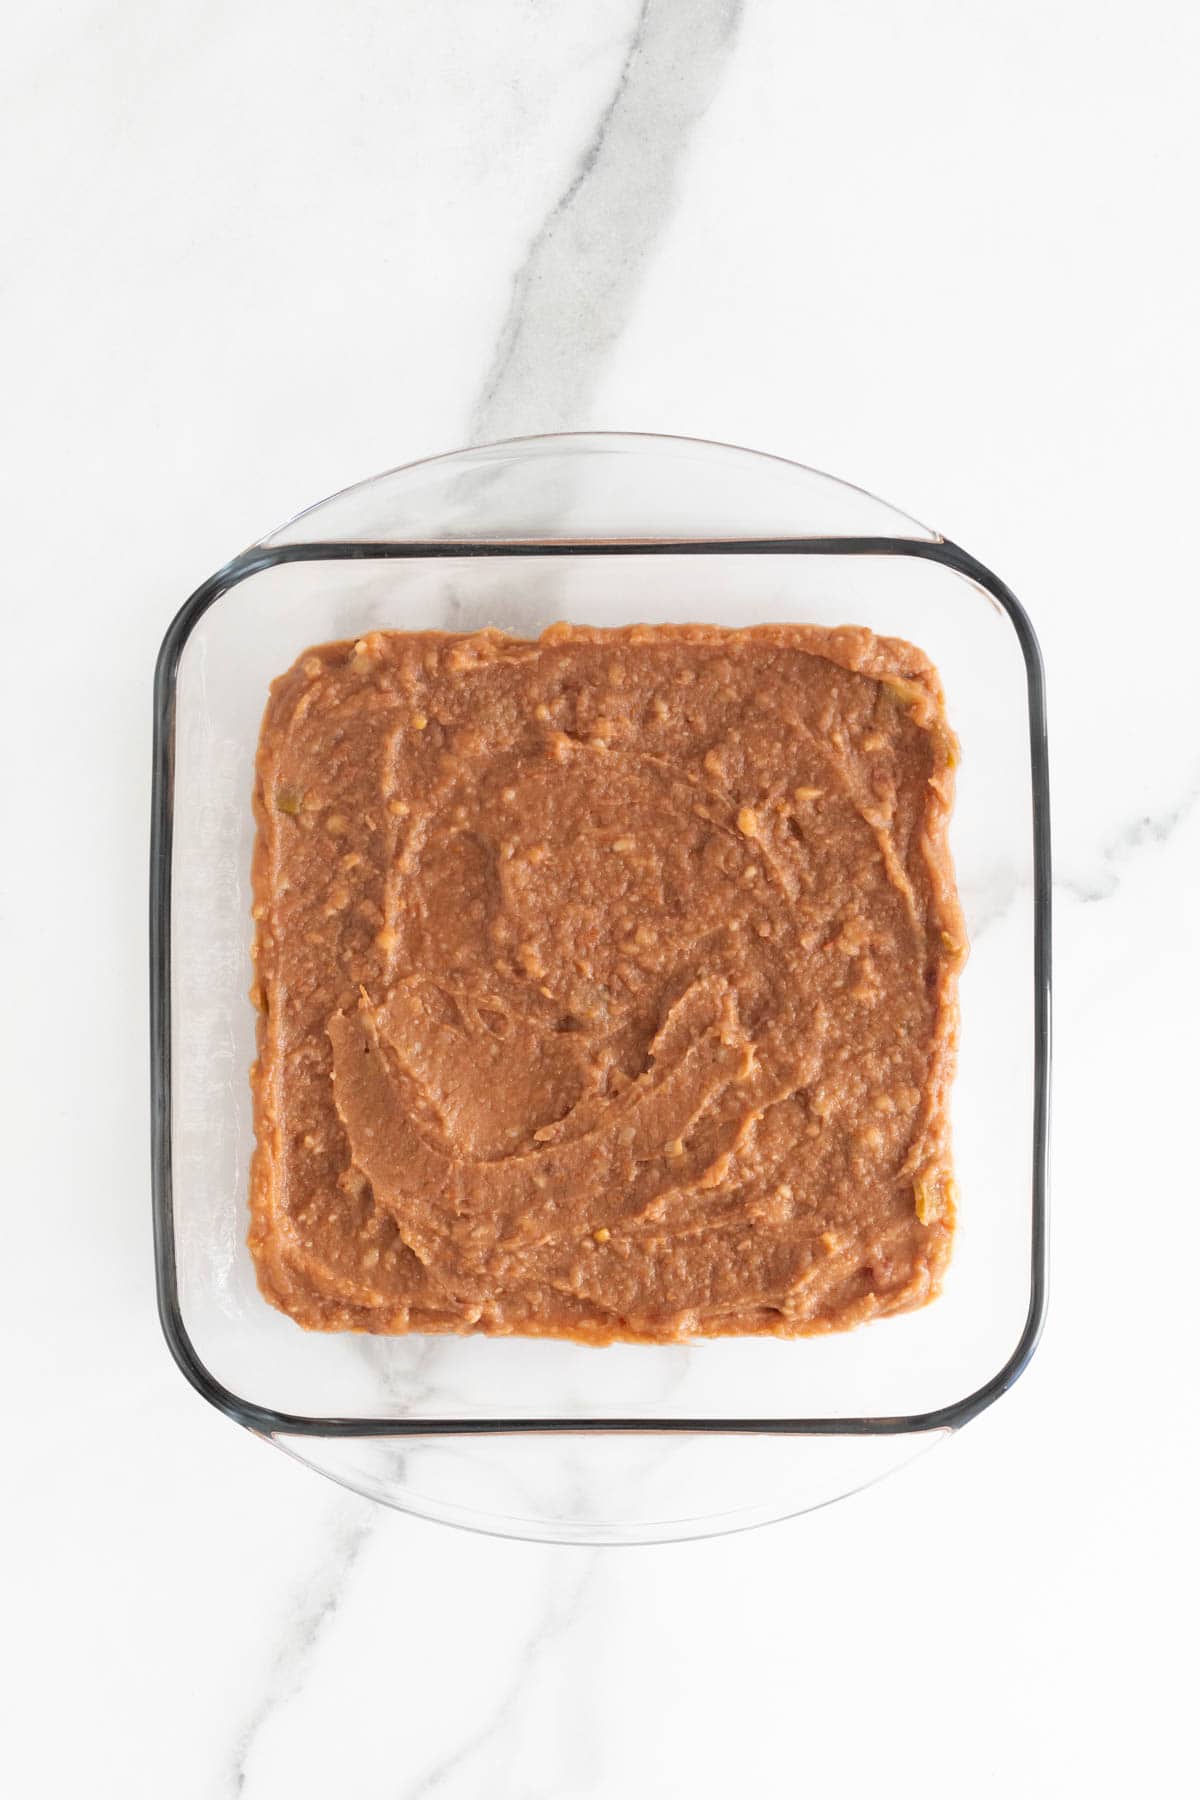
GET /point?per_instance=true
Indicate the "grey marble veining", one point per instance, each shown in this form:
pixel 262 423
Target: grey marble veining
pixel 579 277
pixel 313 1608
pixel 1122 848
pixel 489 1738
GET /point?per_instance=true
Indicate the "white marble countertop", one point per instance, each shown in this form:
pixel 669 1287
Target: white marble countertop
pixel 258 252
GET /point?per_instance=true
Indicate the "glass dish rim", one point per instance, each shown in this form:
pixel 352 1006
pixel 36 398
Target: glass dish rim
pixel 267 1421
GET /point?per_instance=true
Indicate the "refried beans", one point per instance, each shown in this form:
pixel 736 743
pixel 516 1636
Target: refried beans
pixel 606 983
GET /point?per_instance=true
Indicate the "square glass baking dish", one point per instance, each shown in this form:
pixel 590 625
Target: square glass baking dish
pixel 534 1437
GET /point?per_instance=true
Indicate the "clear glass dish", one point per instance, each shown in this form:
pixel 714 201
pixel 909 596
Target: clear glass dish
pixel 555 1440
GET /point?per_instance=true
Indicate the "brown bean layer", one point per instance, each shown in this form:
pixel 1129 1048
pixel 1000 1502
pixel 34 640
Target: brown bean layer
pixel 607 983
